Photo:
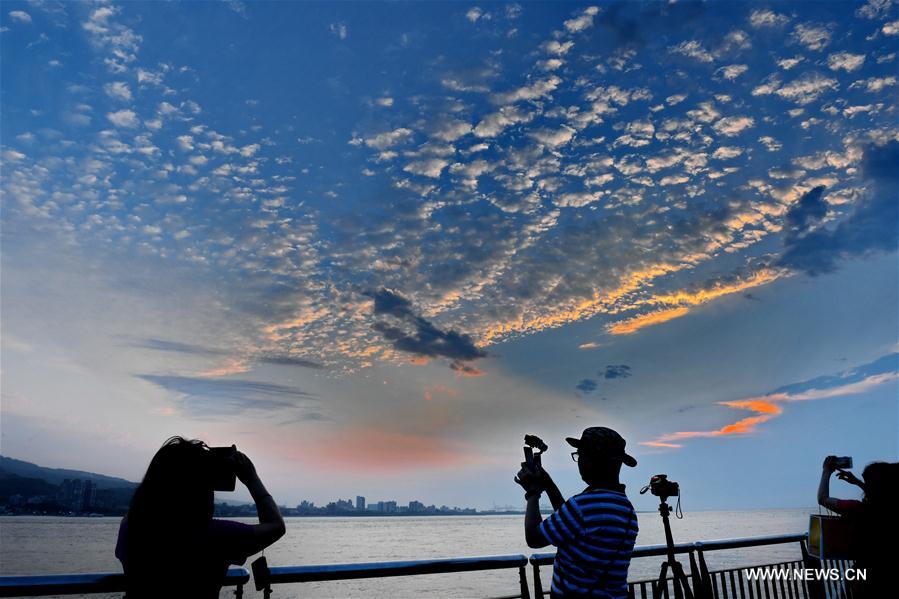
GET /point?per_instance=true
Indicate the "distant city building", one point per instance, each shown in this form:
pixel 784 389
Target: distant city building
pixel 76 495
pixel 347 507
pixel 87 495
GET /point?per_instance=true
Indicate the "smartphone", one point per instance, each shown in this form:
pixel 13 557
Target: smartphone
pixel 221 468
pixel 843 463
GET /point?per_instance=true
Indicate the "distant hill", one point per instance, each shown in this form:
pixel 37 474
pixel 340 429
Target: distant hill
pixel 13 484
pixel 55 476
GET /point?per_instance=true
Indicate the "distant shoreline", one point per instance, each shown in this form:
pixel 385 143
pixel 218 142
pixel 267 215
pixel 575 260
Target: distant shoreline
pixel 399 515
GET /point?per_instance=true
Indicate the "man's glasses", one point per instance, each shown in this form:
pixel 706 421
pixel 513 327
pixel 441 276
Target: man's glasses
pixel 574 455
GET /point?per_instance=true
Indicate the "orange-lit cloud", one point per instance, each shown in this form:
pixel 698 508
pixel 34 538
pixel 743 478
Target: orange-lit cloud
pixel 468 371
pixel 367 450
pixel 436 390
pixel 282 330
pixel 632 325
pixel 584 308
pixel 768 407
pixel 231 366
pixel 761 406
pixel 682 301
pixel 695 298
pixel 589 345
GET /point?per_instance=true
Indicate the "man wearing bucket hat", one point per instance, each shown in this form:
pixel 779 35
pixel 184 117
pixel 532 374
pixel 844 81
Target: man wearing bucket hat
pixel 594 530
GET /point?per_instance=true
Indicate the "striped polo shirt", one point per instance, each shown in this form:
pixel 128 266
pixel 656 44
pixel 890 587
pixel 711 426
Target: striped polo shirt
pixel 594 532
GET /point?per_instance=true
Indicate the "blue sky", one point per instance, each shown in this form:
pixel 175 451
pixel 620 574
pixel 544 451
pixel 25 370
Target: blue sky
pixel 374 244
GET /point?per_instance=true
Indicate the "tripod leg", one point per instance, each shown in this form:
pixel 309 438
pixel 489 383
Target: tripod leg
pixel 661 587
pixel 681 585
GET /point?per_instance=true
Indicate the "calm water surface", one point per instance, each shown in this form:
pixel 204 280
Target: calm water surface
pixel 38 545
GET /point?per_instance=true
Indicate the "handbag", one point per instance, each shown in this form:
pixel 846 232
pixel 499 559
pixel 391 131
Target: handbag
pixel 830 537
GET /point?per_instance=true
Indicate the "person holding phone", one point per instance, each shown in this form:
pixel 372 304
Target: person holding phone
pixel 169 543
pixel 873 520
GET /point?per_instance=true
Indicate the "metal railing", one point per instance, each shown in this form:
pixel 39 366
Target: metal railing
pixel 718 584
pixel 88 584
pixel 297 574
pixel 728 583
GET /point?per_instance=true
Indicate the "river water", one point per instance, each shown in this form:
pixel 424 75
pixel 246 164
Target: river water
pixel 45 545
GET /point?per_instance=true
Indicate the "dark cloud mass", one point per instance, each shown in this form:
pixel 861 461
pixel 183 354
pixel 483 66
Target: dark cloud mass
pixel 806 214
pixel 282 360
pixel 186 348
pixel 883 365
pixel 465 369
pixel 586 386
pixel 174 346
pixel 387 302
pixel 216 397
pixel 873 226
pixel 619 371
pixel 424 339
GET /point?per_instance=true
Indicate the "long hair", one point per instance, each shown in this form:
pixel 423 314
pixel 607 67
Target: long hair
pixel 169 514
pixel 881 484
pixel 878 525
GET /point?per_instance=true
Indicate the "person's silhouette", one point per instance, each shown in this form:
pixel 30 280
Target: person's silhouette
pixel 594 530
pixel 874 521
pixel 169 544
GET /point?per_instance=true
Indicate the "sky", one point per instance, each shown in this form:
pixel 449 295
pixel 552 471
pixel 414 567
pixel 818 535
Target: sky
pixel 374 244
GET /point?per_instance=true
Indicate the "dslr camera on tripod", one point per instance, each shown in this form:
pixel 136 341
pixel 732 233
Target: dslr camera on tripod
pixel 661 487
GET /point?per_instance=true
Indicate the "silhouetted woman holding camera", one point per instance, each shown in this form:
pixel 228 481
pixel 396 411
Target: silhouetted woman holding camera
pixel 169 544
pixel 874 520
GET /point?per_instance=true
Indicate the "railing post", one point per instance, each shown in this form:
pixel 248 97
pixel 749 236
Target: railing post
pixel 705 577
pixel 538 584
pixel 695 578
pixel 815 588
pixel 523 581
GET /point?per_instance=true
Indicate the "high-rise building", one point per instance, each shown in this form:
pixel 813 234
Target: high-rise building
pixel 87 495
pixel 64 493
pixel 360 503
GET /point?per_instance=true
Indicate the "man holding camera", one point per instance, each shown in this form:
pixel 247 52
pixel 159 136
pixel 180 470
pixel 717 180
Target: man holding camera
pixel 594 530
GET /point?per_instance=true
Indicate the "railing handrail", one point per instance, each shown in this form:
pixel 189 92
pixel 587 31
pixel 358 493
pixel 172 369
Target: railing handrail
pixel 292 574
pixel 750 541
pixel 105 582
pixel 93 582
pixel 546 559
